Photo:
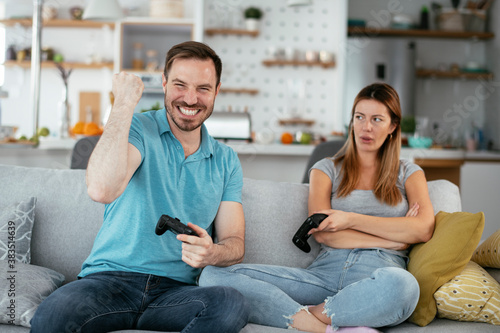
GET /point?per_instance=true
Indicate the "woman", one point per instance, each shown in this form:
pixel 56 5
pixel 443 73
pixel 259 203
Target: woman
pixel 377 205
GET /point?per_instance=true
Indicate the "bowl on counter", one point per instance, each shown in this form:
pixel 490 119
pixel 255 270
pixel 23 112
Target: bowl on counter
pixel 7 132
pixel 419 142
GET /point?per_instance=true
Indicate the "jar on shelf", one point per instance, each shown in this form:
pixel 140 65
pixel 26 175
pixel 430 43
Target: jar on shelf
pixel 137 59
pixel 152 60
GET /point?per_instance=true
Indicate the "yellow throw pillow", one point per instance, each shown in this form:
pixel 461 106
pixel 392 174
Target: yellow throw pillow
pixel 444 256
pixel 473 295
pixel 488 253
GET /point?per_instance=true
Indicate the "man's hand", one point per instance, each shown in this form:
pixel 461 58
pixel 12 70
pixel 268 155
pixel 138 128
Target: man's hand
pixel 127 89
pixel 197 252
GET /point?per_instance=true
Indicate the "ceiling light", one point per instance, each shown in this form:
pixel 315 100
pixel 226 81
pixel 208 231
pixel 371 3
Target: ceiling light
pixel 293 3
pixel 103 10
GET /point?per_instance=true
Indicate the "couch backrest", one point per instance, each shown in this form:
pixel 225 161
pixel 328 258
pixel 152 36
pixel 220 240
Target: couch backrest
pixel 274 211
pixel 67 220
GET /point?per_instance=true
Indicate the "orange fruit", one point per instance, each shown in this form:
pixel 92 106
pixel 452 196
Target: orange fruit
pixel 286 138
pixel 78 128
pixel 91 129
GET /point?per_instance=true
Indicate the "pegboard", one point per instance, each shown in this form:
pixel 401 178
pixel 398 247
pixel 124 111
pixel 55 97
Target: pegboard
pixel 302 28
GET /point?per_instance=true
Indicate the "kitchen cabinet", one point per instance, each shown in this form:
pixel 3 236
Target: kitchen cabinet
pixel 361 32
pixel 435 169
pixel 152 34
pixel 56 23
pixel 50 64
pixel 437 74
pixel 373 33
pixel 480 192
pixel 61 25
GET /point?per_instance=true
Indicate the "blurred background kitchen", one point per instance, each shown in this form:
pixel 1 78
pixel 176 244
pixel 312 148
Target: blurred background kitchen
pixel 291 69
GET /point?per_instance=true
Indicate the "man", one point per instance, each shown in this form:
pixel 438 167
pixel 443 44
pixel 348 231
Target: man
pixel 144 166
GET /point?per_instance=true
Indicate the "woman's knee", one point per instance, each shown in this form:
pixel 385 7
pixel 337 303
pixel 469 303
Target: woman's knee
pixel 212 276
pixel 401 285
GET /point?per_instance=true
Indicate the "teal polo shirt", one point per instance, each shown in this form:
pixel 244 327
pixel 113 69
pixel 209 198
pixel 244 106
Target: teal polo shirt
pixel 190 189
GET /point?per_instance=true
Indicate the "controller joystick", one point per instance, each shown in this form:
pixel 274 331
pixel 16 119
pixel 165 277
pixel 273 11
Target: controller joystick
pixel 174 225
pixel 301 236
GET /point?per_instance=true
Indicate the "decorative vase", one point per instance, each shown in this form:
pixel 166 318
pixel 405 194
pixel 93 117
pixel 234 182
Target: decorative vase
pixel 252 24
pixel 64 115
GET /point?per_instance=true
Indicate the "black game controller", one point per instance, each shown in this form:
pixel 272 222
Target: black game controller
pixel 300 238
pixel 173 224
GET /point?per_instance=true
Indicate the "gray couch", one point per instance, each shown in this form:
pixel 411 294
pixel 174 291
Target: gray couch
pixel 66 222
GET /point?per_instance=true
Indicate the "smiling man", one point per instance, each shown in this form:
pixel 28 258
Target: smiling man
pixel 144 166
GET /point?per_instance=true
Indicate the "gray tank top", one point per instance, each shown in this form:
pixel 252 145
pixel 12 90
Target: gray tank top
pixel 364 201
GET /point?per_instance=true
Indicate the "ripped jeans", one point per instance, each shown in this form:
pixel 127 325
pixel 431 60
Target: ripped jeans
pixel 361 287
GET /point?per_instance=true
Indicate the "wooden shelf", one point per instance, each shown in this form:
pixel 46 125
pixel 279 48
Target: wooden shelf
pixel 239 91
pixel 430 73
pixel 367 32
pixel 56 23
pixel 296 121
pixel 211 32
pixel 50 64
pixel 298 63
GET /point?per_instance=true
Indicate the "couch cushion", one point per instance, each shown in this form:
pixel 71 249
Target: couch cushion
pixel 445 196
pixel 273 213
pixel 472 295
pixel 16 225
pixel 488 253
pixel 455 237
pixel 22 289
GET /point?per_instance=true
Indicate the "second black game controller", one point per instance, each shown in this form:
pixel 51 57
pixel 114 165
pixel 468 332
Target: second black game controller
pixel 301 236
pixel 174 225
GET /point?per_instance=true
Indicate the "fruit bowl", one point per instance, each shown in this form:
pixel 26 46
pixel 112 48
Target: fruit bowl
pixel 419 141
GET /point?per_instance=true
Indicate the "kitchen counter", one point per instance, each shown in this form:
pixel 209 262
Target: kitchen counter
pixel 482 156
pixel 245 148
pixel 260 161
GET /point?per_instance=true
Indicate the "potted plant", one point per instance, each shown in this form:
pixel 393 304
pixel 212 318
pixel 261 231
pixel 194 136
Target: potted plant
pixel 252 18
pixel 408 125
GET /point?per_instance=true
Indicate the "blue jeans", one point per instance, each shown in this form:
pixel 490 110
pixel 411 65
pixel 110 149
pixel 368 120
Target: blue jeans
pixel 361 287
pixel 110 301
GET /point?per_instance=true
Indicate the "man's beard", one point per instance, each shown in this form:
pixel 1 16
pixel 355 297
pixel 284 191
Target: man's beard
pixel 183 124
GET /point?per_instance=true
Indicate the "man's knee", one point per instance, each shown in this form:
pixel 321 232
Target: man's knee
pixel 231 308
pixel 52 315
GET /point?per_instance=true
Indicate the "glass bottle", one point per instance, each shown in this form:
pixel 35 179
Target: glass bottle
pixel 64 115
pixel 137 59
pixel 152 60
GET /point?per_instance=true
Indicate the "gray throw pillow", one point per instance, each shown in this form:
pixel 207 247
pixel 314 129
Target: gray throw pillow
pixel 22 288
pixel 16 223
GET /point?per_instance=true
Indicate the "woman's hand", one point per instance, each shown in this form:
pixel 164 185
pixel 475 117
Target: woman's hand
pixel 337 220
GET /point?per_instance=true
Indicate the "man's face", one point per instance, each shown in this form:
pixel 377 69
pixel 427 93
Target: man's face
pixel 190 92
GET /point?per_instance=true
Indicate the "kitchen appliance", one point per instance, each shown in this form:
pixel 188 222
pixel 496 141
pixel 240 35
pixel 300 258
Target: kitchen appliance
pixel 230 125
pixel 402 74
pixel 153 94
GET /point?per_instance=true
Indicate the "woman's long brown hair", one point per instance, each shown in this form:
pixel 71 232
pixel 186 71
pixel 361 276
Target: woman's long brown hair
pixel 388 156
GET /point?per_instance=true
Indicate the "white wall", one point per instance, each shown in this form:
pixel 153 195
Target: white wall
pixel 321 26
